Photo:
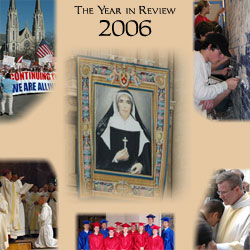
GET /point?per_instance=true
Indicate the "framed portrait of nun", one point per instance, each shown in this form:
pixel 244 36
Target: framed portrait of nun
pixel 123 128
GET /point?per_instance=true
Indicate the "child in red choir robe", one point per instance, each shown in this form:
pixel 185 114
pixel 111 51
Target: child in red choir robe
pixel 141 238
pixel 132 232
pixel 155 242
pixel 126 238
pixel 96 239
pixel 111 242
pixel 118 231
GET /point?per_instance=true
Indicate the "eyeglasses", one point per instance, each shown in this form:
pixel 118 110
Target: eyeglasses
pixel 224 192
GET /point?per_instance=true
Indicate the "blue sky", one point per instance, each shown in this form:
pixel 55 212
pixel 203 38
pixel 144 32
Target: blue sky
pixel 25 11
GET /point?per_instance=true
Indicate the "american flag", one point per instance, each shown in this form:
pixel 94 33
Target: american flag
pixel 43 49
pixel 20 59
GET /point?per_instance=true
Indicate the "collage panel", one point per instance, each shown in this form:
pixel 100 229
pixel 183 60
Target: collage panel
pixel 120 125
pixel 125 113
pixel 27 55
pixel 127 231
pixel 28 207
pixel 224 217
pixel 221 59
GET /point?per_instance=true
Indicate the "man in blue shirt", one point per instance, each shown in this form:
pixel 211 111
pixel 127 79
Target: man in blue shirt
pixel 167 234
pixel 83 240
pixel 7 87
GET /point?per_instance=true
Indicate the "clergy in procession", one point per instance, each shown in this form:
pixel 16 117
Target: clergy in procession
pixel 96 239
pixel 9 191
pixel 46 190
pixel 83 239
pixel 234 225
pixel 111 242
pixel 155 242
pixel 118 230
pixel 4 244
pixel 45 238
pixel 148 227
pixel 141 238
pixel 167 234
pixel 21 231
pixel 104 229
pixel 34 209
pixel 126 238
pixel 52 201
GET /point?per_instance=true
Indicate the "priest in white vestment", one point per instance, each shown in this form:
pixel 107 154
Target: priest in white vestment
pixel 21 190
pixel 3 222
pixel 52 201
pixel 45 238
pixel 10 192
pixel 34 209
pixel 234 225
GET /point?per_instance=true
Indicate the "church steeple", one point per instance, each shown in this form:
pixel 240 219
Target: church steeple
pixel 12 29
pixel 38 23
pixel 12 5
pixel 38 6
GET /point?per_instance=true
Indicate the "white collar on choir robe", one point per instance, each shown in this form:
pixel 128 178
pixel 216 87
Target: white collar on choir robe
pixel 130 124
pixel 242 202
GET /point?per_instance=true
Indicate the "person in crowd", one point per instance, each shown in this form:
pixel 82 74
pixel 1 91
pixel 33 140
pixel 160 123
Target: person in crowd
pixel 204 236
pixel 21 231
pixel 126 240
pixel 207 95
pixel 52 201
pixel 167 234
pixel 241 175
pixel 45 238
pixel 4 244
pixel 155 242
pixel 35 208
pixel 141 238
pixel 118 230
pixel 83 239
pixel 201 31
pixel 201 11
pixel 104 229
pixel 132 231
pixel 111 242
pixel 148 227
pixel 234 225
pixel 7 93
pixel 212 212
pixel 10 192
pixel 96 239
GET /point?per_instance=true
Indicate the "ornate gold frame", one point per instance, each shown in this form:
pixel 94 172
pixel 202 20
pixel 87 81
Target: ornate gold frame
pixel 116 74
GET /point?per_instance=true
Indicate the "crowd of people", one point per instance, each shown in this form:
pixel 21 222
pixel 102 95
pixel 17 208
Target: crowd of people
pixel 211 58
pixel 6 83
pixel 27 211
pixel 133 236
pixel 224 220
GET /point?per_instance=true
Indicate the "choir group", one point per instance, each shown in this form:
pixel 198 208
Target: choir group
pixel 141 237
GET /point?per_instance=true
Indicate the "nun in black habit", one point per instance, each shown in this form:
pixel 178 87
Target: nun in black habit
pixel 122 141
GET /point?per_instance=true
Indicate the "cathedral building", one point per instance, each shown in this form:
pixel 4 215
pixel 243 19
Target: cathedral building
pixel 23 41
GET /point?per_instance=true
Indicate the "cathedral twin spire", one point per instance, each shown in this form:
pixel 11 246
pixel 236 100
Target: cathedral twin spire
pixel 12 32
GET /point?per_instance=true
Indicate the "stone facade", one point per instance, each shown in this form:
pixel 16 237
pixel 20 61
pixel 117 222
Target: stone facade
pixel 24 41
